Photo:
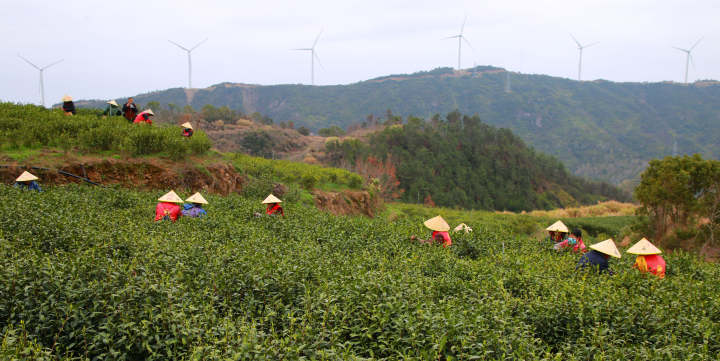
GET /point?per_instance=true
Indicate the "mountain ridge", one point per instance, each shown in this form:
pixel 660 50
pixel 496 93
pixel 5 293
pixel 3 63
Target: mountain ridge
pixel 599 129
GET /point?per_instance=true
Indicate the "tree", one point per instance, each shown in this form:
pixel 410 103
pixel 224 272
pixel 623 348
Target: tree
pixel 680 193
pixel 304 131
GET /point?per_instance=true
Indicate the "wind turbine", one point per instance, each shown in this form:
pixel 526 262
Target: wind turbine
pixel 688 58
pixel 580 48
pixel 41 70
pixel 313 56
pixel 189 52
pixel 460 38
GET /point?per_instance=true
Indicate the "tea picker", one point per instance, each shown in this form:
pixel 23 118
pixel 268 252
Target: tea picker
pixel 187 129
pixel 597 258
pixel 194 207
pixel 440 233
pixel 27 181
pixel 574 242
pixel 648 258
pixel 144 117
pixel 558 231
pixel 168 208
pixel 273 206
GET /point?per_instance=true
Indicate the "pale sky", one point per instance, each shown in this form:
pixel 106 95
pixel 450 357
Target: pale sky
pixel 123 49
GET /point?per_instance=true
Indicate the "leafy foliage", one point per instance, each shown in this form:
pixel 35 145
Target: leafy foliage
pixel 678 193
pixel 29 126
pixel 461 161
pixel 86 274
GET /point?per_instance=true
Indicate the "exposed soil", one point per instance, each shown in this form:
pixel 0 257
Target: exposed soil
pixel 218 178
pixel 346 202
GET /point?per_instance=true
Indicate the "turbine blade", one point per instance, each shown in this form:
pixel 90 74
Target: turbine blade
pixel 314 53
pixel 49 65
pixel 28 61
pixel 452 37
pixel 683 50
pixel 198 44
pixel 178 45
pixel 696 44
pixel 595 43
pixel 462 28
pixel 317 38
pixel 468 43
pixel 576 42
pixel 302 49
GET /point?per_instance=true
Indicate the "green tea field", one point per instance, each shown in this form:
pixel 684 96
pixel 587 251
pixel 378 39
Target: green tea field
pixel 85 274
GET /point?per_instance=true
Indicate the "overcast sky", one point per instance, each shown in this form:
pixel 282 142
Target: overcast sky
pixel 112 52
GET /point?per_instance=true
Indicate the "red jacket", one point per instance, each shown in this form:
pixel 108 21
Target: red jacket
pixel 446 238
pixel 143 118
pixel 577 244
pixel 653 263
pixel 165 209
pixel 274 208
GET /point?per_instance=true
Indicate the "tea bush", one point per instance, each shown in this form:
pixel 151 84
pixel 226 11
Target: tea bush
pixel 35 127
pixel 86 274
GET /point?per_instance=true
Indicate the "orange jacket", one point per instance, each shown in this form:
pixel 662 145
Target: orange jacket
pixel 653 263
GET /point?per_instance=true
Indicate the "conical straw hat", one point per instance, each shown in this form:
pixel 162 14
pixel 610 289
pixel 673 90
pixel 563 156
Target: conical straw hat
pixel 149 111
pixel 644 247
pixel 196 198
pixel 113 102
pixel 437 224
pixel 26 177
pixel 271 199
pixel 171 197
pixel 66 98
pixel 186 125
pixel 608 247
pixel 558 226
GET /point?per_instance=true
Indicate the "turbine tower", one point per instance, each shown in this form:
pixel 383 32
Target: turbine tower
pixel 189 54
pixel 313 56
pixel 41 70
pixel 460 38
pixel 580 48
pixel 688 57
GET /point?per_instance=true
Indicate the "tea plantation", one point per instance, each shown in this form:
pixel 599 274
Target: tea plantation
pixel 85 274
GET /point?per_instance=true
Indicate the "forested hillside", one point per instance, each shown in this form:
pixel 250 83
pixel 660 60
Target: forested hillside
pixel 459 161
pixel 599 129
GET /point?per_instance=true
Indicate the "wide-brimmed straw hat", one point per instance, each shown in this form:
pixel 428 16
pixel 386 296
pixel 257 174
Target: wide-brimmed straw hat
pixel 196 198
pixel 437 224
pixel 643 248
pixel 558 226
pixel 171 197
pixel 271 199
pixel 186 125
pixel 113 102
pixel 608 247
pixel 26 177
pixel 149 111
pixel 66 98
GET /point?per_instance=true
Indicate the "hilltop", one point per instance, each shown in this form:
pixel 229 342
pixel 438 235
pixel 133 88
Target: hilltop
pixel 599 129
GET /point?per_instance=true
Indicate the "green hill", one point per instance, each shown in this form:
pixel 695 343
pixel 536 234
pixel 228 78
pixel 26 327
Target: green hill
pixel 459 161
pixel 599 129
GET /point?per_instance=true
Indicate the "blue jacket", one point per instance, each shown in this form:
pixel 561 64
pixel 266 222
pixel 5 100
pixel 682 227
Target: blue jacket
pixel 595 260
pixel 32 186
pixel 193 210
